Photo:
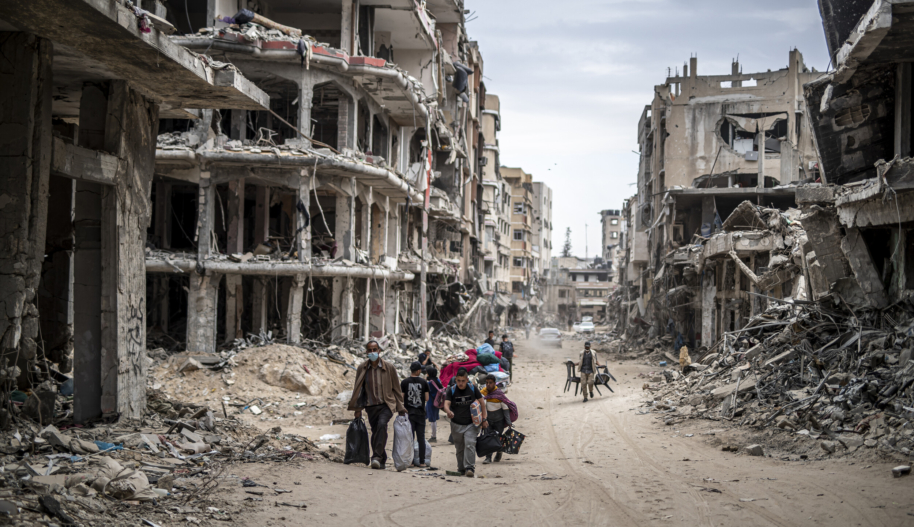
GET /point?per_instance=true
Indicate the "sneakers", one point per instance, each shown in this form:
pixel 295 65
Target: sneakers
pixel 433 440
pixel 486 461
pixel 498 457
pixel 585 399
pixel 591 395
pixel 470 473
pixel 375 463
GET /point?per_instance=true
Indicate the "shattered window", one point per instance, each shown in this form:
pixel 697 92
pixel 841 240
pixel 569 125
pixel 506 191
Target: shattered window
pixel 740 131
pixel 518 208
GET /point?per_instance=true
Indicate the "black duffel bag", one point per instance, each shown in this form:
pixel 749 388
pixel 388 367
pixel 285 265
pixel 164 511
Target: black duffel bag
pixel 357 443
pixel 488 442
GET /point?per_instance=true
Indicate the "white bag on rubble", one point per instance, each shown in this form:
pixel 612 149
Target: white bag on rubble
pixel 428 453
pixel 403 443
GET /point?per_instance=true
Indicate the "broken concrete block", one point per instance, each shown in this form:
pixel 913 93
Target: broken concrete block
pixel 54 437
pixel 724 391
pixel 81 447
pixel 754 450
pixel 828 446
pixel 194 438
pixel 869 443
pixel 190 365
pixel 901 470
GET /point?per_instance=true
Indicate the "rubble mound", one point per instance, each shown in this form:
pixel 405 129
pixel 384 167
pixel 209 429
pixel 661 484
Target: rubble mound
pixel 823 371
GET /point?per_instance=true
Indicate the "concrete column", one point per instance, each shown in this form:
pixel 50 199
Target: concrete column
pixel 345 219
pixel 346 27
pixel 260 304
pixel 163 214
pixel 238 126
pixel 393 235
pixel 262 215
pixel 234 292
pixel 202 300
pixel 87 265
pixel 305 98
pixel 206 212
pixel 392 308
pixel 131 127
pixel 708 294
pixel 25 163
pixel 365 323
pixel 343 307
pixel 903 88
pixel 861 262
pixel 296 296
pixel 302 217
pixel 87 299
pixel 365 235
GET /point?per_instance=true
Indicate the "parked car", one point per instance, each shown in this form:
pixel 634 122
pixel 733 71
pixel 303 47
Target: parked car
pixel 585 326
pixel 550 337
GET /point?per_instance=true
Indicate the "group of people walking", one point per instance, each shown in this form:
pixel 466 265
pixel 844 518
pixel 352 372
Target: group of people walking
pixel 380 393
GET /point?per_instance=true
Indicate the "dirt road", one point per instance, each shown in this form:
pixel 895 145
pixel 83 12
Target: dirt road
pixel 594 463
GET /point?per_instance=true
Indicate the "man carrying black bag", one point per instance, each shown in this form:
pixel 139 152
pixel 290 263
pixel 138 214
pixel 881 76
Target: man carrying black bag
pixel 377 391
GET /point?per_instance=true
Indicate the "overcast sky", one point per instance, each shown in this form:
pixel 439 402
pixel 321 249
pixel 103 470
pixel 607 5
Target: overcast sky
pixel 575 75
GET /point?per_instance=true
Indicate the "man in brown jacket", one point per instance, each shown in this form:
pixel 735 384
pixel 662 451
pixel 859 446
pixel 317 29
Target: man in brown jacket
pixel 377 391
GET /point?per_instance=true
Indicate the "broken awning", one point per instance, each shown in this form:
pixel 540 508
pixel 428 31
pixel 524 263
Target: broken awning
pixel 109 44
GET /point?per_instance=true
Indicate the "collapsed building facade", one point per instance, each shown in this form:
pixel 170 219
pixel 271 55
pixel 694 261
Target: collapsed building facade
pixel 189 173
pixel 723 228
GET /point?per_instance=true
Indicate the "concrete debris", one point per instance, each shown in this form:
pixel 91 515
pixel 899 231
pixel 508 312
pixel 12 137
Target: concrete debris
pixel 754 450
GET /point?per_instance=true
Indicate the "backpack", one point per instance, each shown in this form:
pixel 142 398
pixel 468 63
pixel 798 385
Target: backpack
pixel 440 397
pixel 507 347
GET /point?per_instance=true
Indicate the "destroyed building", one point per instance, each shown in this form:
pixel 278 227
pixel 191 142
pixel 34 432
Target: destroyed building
pixel 186 177
pixel 611 233
pixel 709 143
pixel 84 88
pixel 349 209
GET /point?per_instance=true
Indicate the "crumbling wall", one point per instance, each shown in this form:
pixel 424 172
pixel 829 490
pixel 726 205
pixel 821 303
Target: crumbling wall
pixel 25 139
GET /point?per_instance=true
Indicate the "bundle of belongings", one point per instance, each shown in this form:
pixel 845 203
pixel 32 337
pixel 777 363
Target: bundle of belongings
pixel 482 360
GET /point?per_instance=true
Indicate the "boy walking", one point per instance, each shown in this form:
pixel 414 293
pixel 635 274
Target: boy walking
pixel 415 396
pixel 460 399
pixel 588 364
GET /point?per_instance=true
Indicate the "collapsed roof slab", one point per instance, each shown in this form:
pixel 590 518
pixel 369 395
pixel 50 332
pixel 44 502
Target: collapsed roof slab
pixel 108 33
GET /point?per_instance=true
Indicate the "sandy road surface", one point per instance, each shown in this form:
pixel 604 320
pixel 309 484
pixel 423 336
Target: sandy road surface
pixel 594 463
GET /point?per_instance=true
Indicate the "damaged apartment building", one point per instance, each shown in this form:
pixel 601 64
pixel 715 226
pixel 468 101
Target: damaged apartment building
pixel 790 184
pixel 348 208
pixel 182 173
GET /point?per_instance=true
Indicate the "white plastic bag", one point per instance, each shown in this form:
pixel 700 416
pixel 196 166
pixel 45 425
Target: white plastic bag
pixel 403 443
pixel 428 453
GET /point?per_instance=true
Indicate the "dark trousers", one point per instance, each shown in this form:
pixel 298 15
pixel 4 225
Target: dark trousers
pixel 417 422
pixel 511 369
pixel 378 417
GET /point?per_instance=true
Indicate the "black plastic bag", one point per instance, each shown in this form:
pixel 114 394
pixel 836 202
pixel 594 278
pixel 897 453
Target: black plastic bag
pixel 511 440
pixel 357 443
pixel 488 442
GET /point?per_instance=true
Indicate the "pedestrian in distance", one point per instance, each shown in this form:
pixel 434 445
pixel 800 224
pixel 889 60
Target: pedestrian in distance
pixel 491 340
pixel 587 363
pixel 498 411
pixel 415 396
pixel 507 353
pixel 460 409
pixel 432 411
pixel 377 391
pixel 527 331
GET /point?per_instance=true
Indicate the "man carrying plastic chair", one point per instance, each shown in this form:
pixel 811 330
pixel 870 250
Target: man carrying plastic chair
pixel 588 364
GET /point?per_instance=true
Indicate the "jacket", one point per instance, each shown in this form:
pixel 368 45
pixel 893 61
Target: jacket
pixel 596 360
pixel 390 386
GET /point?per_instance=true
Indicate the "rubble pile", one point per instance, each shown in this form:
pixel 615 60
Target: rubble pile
pixel 171 461
pixel 822 370
pixel 309 383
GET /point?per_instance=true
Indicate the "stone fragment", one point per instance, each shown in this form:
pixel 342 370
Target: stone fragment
pixel 190 365
pixel 901 470
pixel 828 446
pixel 754 450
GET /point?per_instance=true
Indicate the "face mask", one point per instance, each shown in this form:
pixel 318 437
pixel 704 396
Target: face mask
pixel 372 357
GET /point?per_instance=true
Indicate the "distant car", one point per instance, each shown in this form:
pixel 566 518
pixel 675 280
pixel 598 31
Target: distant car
pixel 586 319
pixel 550 337
pixel 585 326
